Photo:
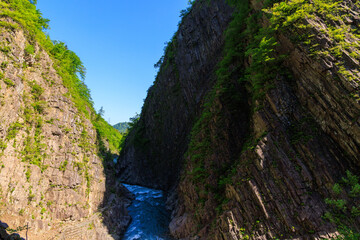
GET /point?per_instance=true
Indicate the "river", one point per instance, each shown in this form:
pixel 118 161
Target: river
pixel 150 219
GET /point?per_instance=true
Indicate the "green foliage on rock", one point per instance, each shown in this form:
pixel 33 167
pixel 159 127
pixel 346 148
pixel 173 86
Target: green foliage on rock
pixel 302 17
pixel 3 145
pixel 13 130
pixel 36 90
pixel 33 151
pixel 108 134
pixel 24 14
pixel 9 82
pixel 4 65
pixel 63 166
pixel 344 207
pixel 28 174
pixel 29 49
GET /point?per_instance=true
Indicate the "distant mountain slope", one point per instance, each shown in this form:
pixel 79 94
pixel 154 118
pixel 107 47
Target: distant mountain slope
pixel 122 126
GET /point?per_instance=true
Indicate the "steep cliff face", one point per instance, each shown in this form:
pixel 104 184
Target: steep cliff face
pixel 160 137
pixel 274 151
pixel 52 174
pixel 303 136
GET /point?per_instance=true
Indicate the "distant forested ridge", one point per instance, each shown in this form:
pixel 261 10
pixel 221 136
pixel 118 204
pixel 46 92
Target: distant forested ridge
pixel 122 127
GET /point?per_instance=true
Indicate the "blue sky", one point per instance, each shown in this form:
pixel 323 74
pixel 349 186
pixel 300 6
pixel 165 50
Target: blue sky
pixel 119 41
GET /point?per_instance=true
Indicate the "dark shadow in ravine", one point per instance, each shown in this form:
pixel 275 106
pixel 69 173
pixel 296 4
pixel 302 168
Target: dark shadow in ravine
pixel 9 234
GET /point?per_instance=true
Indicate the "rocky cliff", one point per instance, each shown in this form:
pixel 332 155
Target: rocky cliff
pixel 160 137
pixel 54 179
pixel 258 133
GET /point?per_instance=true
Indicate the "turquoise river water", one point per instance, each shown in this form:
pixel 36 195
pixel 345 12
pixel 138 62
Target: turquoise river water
pixel 150 219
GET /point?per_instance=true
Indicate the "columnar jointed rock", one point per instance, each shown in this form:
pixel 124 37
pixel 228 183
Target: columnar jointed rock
pixel 268 149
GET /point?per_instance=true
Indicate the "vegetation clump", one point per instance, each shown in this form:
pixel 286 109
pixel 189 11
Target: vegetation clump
pixel 29 49
pixel 9 82
pixel 36 90
pixel 63 166
pixel 344 206
pixel 13 130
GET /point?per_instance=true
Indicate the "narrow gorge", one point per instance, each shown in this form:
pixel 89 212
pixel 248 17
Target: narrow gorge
pixel 251 130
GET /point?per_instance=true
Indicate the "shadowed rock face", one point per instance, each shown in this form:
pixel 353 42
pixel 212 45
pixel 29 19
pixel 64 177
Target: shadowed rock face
pixel 152 155
pixel 272 162
pixel 5 236
pixel 47 180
